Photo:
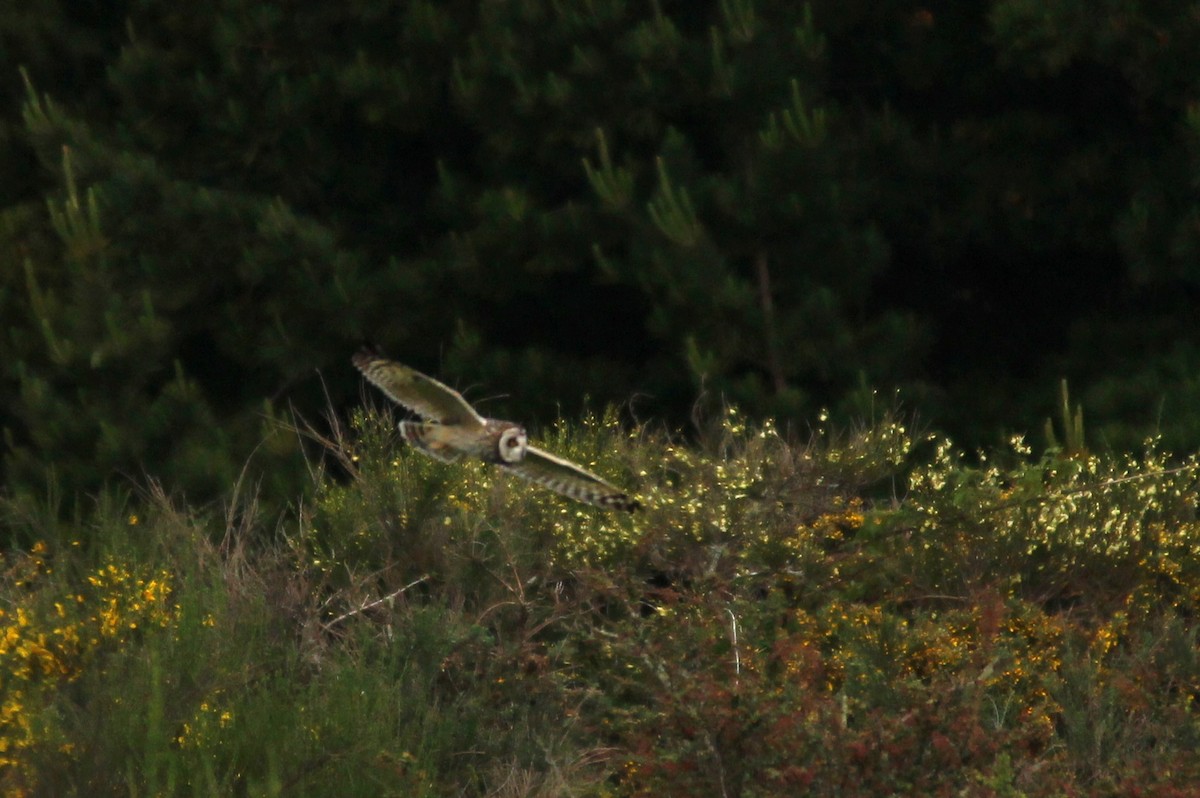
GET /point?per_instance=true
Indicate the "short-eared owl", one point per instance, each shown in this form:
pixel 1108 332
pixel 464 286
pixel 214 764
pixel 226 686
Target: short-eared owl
pixel 452 428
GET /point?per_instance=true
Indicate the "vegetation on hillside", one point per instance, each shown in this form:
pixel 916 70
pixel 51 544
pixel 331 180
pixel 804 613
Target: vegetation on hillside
pixel 670 207
pixel 866 614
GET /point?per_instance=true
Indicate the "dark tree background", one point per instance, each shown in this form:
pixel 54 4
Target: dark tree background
pixel 204 210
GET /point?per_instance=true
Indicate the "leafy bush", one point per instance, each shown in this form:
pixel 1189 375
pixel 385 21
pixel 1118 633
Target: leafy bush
pixel 865 614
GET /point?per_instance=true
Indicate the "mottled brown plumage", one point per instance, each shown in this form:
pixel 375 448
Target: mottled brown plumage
pixel 452 428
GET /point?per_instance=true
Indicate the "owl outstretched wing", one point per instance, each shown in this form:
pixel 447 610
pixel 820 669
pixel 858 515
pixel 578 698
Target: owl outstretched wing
pixel 429 438
pixel 421 394
pixel 563 476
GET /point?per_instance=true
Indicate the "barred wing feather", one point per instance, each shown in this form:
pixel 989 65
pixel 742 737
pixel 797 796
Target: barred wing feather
pixel 568 479
pixel 421 394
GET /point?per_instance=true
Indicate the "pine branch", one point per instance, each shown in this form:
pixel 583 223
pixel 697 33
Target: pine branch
pixel 762 270
pixel 614 185
pixel 672 211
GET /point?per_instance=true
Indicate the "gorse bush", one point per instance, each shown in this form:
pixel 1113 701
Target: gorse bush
pixel 1058 527
pixel 43 647
pixel 866 614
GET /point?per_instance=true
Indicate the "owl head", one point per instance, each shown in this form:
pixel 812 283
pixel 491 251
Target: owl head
pixel 511 445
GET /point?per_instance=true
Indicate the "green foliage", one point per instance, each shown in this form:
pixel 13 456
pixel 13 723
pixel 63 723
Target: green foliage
pixel 226 672
pixel 1003 625
pixel 771 204
pixel 1073 442
pixel 116 325
pixel 1056 528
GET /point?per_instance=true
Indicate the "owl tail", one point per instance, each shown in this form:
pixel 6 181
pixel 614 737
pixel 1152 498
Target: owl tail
pixel 418 433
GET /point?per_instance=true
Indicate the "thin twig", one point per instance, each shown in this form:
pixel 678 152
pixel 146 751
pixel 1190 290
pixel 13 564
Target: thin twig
pixel 737 659
pixel 374 603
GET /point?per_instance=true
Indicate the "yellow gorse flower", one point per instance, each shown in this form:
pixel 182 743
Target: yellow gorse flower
pixel 44 643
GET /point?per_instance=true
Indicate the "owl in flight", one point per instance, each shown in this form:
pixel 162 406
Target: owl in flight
pixel 452 428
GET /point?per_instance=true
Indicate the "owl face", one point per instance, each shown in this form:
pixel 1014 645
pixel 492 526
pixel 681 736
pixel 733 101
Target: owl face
pixel 512 445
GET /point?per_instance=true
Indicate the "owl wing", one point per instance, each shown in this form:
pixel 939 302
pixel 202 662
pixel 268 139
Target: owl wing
pixel 563 476
pixel 421 394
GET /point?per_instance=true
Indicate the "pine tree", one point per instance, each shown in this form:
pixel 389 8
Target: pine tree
pixel 721 200
pixel 772 203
